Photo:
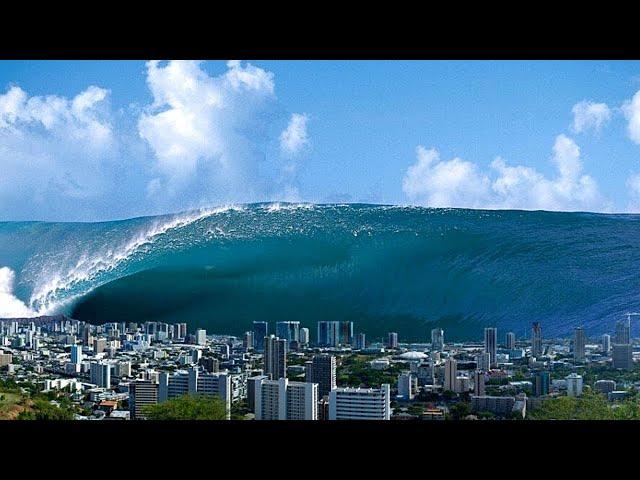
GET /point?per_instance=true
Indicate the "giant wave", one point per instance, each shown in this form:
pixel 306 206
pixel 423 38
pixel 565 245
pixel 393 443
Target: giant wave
pixel 387 268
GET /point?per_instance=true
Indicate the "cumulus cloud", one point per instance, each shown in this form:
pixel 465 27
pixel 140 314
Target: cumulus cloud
pixel 52 147
pixel 633 186
pixel 294 139
pixel 590 116
pixel 208 130
pixel 631 110
pixel 459 183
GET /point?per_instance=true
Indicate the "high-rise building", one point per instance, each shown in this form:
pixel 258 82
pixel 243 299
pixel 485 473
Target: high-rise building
pixel 275 357
pixel 540 383
pixel 392 341
pixel 360 403
pixel 99 344
pixel 483 361
pixel 195 382
pixel 251 390
pixel 328 333
pixel 100 374
pixel 87 338
pixel 260 331
pixel 510 341
pixel 346 333
pixel 574 385
pixel 578 344
pixel 491 344
pixel 450 374
pixel 437 339
pixel 606 344
pixel 623 331
pixel 405 386
pixel 479 381
pixel 284 400
pixel 304 336
pixel 201 336
pixel 76 354
pixel 361 341
pixel 290 331
pixel 248 340
pixel 141 394
pixel 536 340
pixel 322 370
pixel 622 356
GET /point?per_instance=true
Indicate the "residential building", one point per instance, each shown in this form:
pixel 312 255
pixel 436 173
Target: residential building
pixel 360 403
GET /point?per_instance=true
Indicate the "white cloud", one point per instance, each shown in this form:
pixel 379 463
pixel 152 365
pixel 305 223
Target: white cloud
pixel 459 183
pixel 210 130
pixel 52 148
pixel 294 139
pixel 590 116
pixel 631 110
pixel 633 185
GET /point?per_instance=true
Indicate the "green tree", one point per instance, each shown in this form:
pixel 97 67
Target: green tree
pixel 43 410
pixel 188 407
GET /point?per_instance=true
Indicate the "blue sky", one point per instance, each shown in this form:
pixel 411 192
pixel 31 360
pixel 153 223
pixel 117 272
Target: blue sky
pixel 97 140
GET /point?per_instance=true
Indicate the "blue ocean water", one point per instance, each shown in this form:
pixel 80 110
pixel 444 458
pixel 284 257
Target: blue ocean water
pixel 387 268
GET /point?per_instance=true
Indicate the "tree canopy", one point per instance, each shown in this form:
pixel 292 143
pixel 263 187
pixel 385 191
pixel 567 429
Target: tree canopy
pixel 188 407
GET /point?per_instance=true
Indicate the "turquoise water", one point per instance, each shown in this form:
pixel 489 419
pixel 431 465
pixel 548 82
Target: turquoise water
pixel 404 269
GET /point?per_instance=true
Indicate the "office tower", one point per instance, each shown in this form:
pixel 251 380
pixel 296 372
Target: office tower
pixel 201 336
pixel 285 400
pixel 623 331
pixel 275 357
pixel 541 382
pixel 141 394
pixel 195 382
pixel 483 361
pixel 289 331
pixel 479 381
pixel 100 374
pixel 491 344
pixel 99 344
pixel 360 403
pixel 405 386
pixel 450 374
pixel 622 356
pixel 251 390
pixel 606 344
pixel 328 334
pixel 510 341
pixel 361 341
pixel 304 336
pixel 87 338
pixel 76 354
pixel 248 340
pixel 578 345
pixel 322 370
pixel 392 341
pixel 536 340
pixel 260 331
pixel 574 385
pixel 180 330
pixel 437 339
pixel 346 333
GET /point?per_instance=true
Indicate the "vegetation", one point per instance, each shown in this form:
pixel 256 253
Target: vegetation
pixel 590 406
pixel 42 409
pixel 188 407
pixel 356 371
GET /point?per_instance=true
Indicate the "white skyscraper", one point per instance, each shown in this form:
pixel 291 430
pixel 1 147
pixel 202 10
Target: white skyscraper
pixel 437 339
pixel 405 386
pixel 606 344
pixel 393 340
pixel 285 400
pixel 360 403
pixel 574 385
pixel 304 336
pixel 201 336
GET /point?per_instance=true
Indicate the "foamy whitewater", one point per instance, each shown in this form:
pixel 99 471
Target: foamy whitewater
pixel 386 268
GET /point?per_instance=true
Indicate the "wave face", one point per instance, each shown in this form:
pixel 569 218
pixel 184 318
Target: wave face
pixel 404 269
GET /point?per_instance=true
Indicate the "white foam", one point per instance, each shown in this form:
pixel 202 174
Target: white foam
pixel 10 305
pixel 46 296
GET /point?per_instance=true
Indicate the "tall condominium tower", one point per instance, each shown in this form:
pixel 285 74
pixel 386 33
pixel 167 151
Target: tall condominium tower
pixel 437 339
pixel 578 344
pixel 392 341
pixel 275 357
pixel 510 341
pixel 322 370
pixel 536 340
pixel 328 333
pixel 290 331
pixel 491 344
pixel 450 374
pixel 606 344
pixel 346 333
pixel 623 332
